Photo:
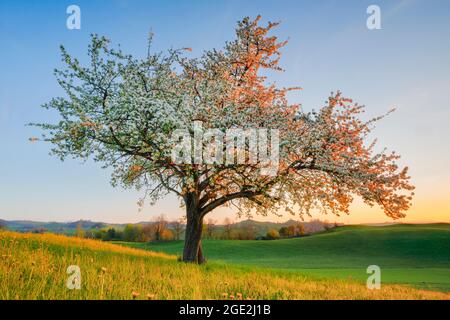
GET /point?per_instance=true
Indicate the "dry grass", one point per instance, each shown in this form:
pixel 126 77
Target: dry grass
pixel 34 267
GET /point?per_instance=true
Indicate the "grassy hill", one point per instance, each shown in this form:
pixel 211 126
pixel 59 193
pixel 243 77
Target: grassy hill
pixel 417 255
pixel 33 266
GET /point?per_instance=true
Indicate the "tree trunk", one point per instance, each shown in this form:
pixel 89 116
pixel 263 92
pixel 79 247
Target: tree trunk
pixel 192 242
pixel 200 258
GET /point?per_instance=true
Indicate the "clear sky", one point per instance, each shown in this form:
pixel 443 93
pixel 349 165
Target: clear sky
pixel 406 64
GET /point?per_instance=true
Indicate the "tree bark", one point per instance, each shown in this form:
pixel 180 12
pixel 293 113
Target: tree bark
pixel 200 258
pixel 192 242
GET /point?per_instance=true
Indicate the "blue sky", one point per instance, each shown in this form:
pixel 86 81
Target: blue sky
pixel 405 64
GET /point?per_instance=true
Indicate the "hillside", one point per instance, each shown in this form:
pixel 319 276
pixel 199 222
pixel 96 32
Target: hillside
pixel 34 267
pixel 418 255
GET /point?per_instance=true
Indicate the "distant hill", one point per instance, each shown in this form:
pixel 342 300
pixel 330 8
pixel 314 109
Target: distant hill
pixel 69 228
pixel 54 227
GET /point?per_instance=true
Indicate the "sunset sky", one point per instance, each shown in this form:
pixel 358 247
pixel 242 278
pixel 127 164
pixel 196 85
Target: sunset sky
pixel 404 65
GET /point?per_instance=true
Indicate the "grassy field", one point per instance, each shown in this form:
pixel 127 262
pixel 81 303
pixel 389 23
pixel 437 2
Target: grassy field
pixel 34 267
pixel 416 255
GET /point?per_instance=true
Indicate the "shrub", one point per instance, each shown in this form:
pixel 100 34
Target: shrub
pixel 272 234
pixel 167 235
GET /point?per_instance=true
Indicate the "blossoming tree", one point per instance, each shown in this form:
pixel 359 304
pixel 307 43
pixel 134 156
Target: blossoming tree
pixel 122 111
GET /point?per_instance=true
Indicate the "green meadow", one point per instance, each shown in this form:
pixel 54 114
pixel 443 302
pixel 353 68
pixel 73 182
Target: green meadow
pixel 35 266
pixel 414 255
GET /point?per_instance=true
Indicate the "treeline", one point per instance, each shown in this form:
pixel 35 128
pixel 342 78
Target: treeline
pixel 292 231
pixel 299 229
pixel 158 230
pixel 250 231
